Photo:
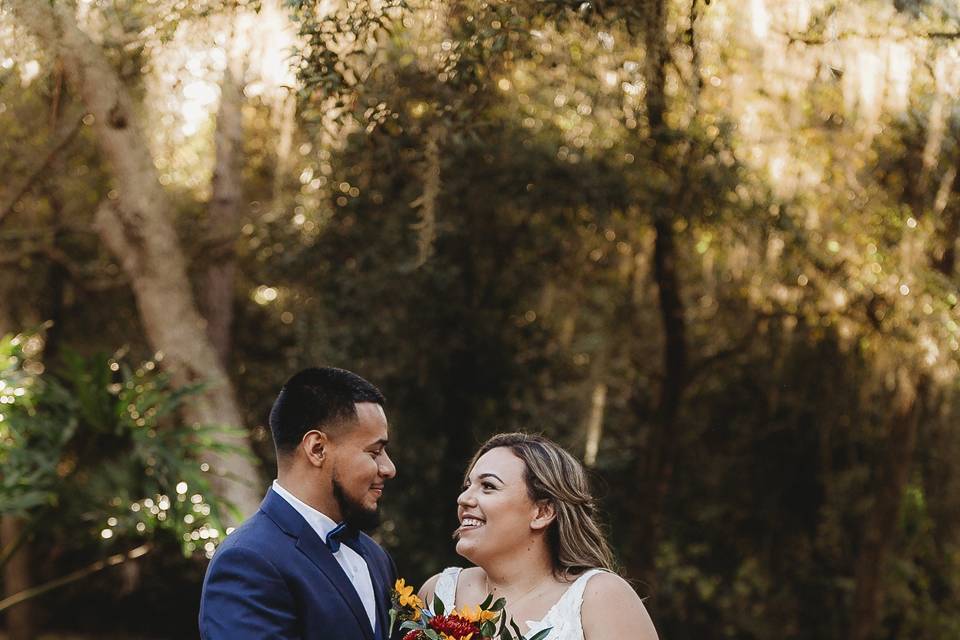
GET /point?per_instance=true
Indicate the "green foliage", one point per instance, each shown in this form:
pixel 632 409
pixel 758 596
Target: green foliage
pixel 335 60
pixel 33 440
pixel 99 446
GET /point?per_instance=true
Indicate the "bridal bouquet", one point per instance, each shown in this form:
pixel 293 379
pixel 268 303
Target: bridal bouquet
pixel 483 622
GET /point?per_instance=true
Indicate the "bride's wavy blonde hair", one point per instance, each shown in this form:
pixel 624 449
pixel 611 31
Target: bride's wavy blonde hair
pixel 576 542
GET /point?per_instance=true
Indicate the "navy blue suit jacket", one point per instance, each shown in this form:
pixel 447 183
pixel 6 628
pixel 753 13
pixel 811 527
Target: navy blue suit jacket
pixel 274 578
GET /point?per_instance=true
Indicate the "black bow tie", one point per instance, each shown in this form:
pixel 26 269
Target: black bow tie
pixel 342 533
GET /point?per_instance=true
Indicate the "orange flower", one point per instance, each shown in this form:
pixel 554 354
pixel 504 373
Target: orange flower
pixel 477 614
pixel 407 598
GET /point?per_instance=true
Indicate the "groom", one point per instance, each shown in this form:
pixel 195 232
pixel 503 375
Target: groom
pixel 301 567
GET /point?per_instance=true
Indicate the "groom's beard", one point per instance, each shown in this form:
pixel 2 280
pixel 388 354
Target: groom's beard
pixel 354 513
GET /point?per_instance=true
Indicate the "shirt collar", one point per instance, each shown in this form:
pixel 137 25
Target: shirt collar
pixel 318 521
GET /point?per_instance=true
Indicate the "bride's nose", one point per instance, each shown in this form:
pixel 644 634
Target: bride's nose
pixel 466 498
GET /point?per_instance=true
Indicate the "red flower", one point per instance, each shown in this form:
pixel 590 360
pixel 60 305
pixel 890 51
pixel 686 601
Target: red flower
pixel 416 634
pixel 453 625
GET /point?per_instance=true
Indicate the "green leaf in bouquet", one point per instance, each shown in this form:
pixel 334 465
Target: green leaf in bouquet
pixel 499 604
pixel 430 633
pixel 410 625
pixel 540 635
pixel 516 629
pixel 502 621
pixel 488 629
pixel 486 601
pixel 437 605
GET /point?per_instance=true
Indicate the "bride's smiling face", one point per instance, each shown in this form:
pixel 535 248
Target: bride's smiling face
pixel 495 510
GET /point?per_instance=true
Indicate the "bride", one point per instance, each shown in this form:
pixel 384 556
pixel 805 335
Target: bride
pixel 526 521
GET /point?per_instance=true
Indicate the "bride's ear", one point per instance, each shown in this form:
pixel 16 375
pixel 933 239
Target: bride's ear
pixel 545 514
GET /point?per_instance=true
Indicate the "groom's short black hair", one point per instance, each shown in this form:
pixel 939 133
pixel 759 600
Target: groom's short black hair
pixel 317 398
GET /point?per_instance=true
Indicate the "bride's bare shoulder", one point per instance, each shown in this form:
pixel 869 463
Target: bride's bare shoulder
pixel 469 580
pixel 612 609
pixel 429 588
pixel 473 577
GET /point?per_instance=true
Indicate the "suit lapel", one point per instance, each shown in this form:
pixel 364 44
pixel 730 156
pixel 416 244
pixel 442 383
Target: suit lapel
pixel 381 584
pixel 310 544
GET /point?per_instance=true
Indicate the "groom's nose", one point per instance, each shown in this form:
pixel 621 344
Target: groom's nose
pixel 387 468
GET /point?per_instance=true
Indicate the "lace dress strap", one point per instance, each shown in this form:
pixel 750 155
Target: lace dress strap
pixel 446 588
pixel 573 598
pixel 564 618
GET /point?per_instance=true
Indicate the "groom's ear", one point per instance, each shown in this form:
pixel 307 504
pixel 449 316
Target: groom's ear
pixel 545 514
pixel 314 446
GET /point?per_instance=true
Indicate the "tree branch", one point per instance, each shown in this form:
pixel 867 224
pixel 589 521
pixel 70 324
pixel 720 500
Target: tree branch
pixel 80 574
pixel 76 272
pixel 61 138
pixel 707 362
pixel 847 35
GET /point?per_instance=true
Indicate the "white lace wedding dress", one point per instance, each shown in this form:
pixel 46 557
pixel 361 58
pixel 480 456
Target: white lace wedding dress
pixel 563 618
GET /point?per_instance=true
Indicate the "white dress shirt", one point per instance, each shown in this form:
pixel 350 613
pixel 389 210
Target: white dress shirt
pixel 352 562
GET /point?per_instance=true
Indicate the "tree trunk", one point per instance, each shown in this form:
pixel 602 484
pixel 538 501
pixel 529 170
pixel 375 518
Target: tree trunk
pixel 882 522
pixel 655 473
pixel 135 223
pixel 16 578
pixel 655 66
pixel 16 570
pixel 219 278
pixel 654 469
pixel 426 227
pixel 946 263
pixel 947 206
pixel 894 474
pixel 594 430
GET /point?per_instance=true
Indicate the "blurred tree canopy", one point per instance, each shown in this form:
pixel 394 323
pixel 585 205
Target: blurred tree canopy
pixel 709 246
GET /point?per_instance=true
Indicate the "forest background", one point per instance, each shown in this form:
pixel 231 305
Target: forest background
pixel 708 246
